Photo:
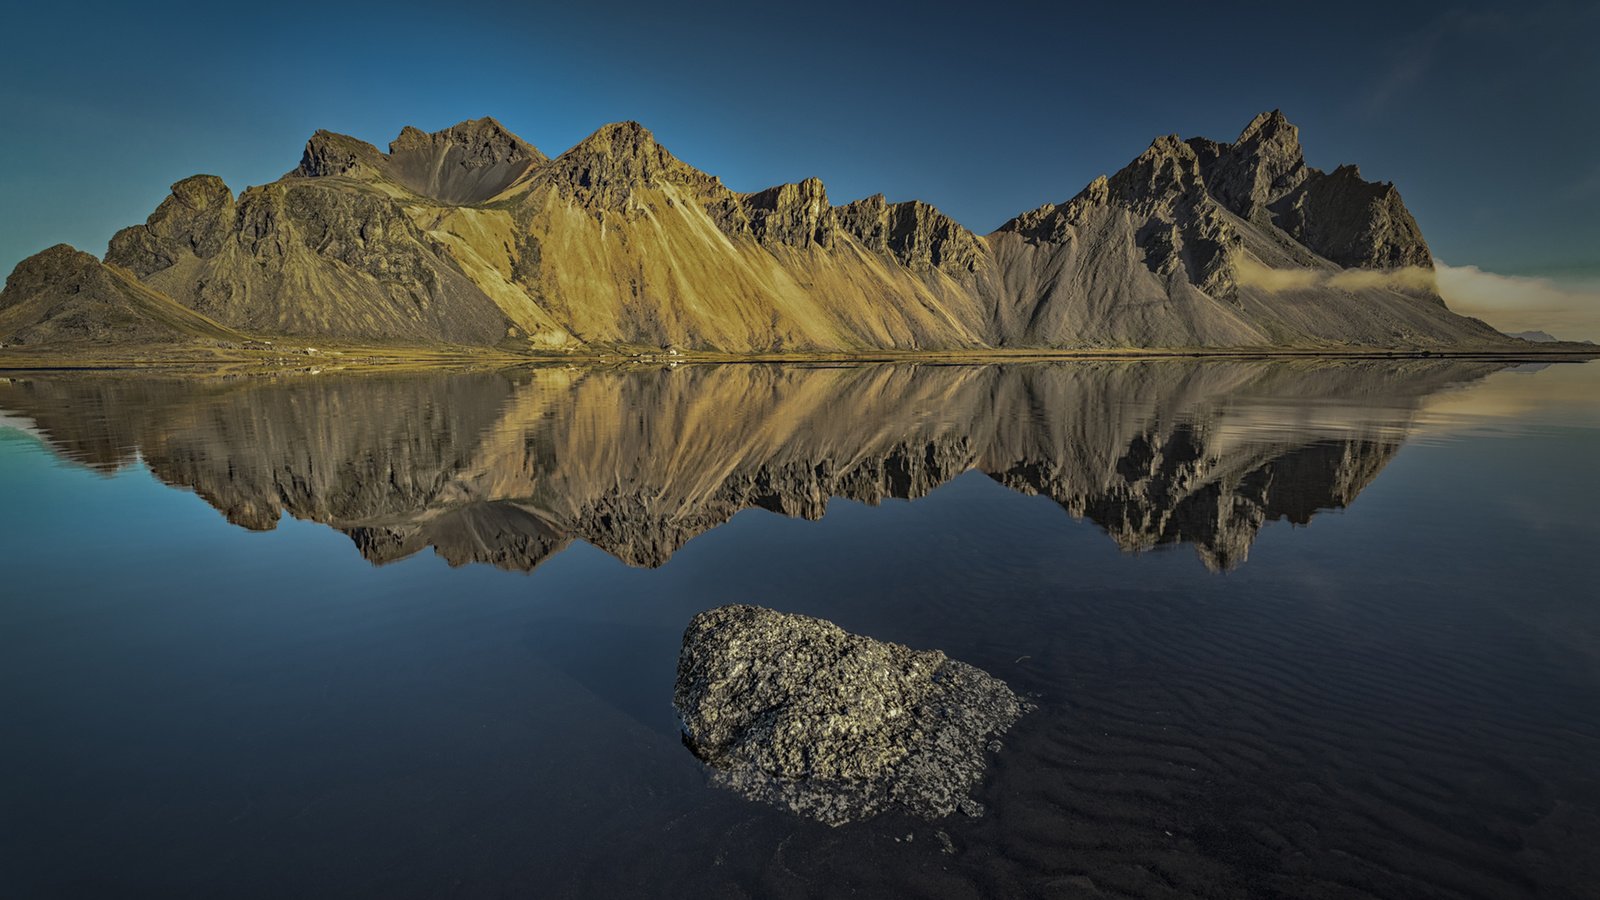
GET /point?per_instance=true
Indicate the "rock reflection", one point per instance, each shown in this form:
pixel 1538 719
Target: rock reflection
pixel 510 467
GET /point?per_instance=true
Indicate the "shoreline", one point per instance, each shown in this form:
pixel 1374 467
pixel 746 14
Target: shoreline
pixel 342 357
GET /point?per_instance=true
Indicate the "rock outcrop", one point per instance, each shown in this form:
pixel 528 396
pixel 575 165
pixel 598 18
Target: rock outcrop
pixel 195 220
pixel 831 725
pixel 1263 177
pixel 470 235
pixel 914 234
pixel 794 214
pixel 606 169
pixel 1353 222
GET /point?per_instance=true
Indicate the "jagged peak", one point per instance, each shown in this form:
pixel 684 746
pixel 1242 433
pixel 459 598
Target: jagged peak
pixel 1096 191
pixel 1269 125
pixel 1271 144
pixel 410 136
pixel 1263 166
pixel 626 139
pixel 796 213
pixel 202 191
pixel 877 199
pixel 604 169
pixel 330 153
pixel 1168 145
pixel 1168 166
pixel 805 187
pixel 920 208
pixel 484 140
pixel 916 233
pixel 879 203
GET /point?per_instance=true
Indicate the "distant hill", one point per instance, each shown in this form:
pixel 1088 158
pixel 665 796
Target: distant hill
pixel 471 236
pixel 1542 337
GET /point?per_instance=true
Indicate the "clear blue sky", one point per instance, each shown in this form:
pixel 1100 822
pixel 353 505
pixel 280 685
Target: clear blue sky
pixel 1486 115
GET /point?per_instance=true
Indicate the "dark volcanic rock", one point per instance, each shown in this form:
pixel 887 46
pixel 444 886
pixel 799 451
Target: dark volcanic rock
pixel 604 169
pixel 197 216
pixel 1264 165
pixel 919 236
pixel 463 164
pixel 329 153
pixel 303 257
pixel 793 214
pixel 1355 223
pixel 1263 178
pixel 838 727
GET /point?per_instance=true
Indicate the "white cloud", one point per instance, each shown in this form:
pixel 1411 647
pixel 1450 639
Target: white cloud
pixel 1251 273
pixel 1569 310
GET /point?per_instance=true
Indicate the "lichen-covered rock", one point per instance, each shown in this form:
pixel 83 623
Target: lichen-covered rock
pixel 835 726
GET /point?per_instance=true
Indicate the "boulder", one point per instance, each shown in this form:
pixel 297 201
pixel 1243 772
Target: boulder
pixel 797 712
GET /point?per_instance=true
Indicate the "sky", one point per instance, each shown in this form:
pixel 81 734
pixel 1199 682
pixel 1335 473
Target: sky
pixel 1486 115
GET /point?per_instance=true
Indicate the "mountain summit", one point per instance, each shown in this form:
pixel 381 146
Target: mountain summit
pixel 470 235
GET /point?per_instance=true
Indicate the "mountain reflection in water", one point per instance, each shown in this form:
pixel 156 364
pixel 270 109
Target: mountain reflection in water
pixel 510 467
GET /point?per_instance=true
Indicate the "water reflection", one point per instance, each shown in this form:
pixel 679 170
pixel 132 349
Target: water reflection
pixel 510 467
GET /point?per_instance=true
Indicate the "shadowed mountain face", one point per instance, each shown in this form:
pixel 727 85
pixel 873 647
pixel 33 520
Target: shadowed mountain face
pixel 508 468
pixel 469 235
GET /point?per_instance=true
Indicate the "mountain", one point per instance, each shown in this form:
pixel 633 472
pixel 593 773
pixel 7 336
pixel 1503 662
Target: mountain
pixel 66 296
pixel 510 468
pixel 471 236
pixel 1542 337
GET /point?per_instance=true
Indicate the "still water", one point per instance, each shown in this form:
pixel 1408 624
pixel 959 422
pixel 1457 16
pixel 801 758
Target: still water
pixel 1290 628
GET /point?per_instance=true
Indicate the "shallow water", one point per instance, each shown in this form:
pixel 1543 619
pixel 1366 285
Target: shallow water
pixel 1292 628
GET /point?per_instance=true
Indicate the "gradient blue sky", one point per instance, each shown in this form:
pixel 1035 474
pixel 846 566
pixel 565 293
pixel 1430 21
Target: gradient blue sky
pixel 1486 115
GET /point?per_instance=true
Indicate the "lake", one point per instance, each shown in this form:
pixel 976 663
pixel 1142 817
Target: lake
pixel 1290 628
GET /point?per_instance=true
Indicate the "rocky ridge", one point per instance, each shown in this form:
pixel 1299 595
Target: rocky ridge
pixel 470 235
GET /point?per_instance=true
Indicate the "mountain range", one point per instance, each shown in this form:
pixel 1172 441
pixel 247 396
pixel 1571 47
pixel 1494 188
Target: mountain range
pixel 471 236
